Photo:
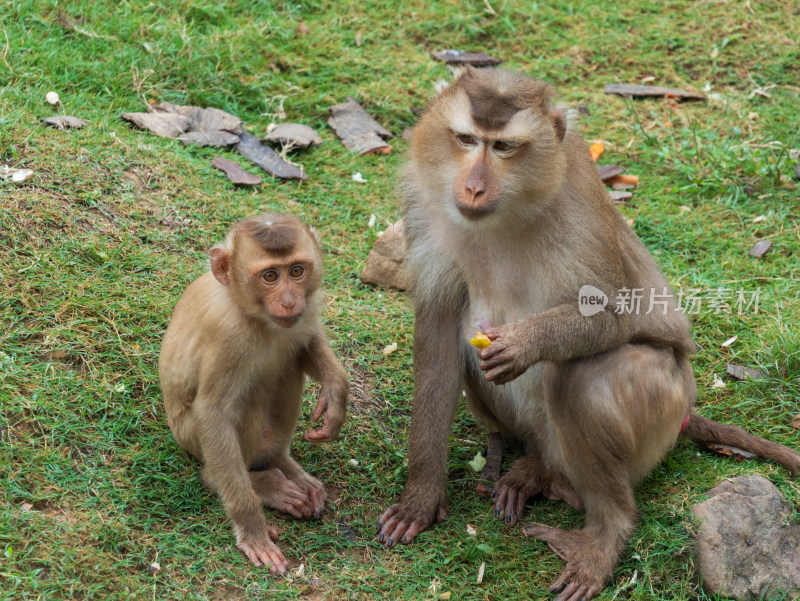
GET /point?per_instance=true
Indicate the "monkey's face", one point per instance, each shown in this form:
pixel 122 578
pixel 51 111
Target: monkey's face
pixel 283 288
pixel 490 145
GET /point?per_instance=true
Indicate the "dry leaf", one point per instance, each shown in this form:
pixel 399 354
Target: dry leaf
pixel 267 159
pixel 357 130
pixel 389 349
pixel 217 138
pixel 796 421
pixel 717 382
pixel 620 196
pixel 293 135
pixel 235 173
pixel 481 570
pixel 730 451
pixel 740 372
pixel 154 567
pixel 26 507
pixel 607 172
pixel 761 248
pixel 15 175
pixel 471 530
pixel 64 122
pixel 729 341
pixel 461 57
pixel 639 91
pixel 357 177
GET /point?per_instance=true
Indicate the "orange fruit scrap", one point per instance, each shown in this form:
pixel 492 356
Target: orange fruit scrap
pixel 596 150
pixel 480 340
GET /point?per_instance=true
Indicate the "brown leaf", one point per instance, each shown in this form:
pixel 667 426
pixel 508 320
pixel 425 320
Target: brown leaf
pixel 217 138
pixel 740 372
pixel 166 125
pixel 202 119
pixel 462 57
pixel 627 90
pixel 796 421
pixel 357 130
pixel 729 451
pixel 620 196
pixel 294 135
pixel 266 158
pixel 235 173
pixel 64 122
pixel 761 248
pixel 606 172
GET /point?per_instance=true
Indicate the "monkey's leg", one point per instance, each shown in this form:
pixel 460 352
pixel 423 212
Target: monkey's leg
pixel 279 492
pixel 526 478
pixel 437 378
pixel 613 416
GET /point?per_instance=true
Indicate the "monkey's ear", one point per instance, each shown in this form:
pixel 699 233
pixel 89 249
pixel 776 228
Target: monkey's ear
pixel 220 262
pixel 561 121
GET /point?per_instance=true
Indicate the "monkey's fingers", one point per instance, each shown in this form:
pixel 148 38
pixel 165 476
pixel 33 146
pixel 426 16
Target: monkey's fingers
pixel 396 526
pixel 267 554
pixel 318 497
pixel 323 434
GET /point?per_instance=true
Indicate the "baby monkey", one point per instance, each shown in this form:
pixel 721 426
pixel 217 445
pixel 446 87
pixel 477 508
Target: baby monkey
pixel 233 364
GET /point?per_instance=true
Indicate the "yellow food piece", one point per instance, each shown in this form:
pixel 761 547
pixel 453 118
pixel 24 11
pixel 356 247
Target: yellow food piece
pixel 480 340
pixel 596 150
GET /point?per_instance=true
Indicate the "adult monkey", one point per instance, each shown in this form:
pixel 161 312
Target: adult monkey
pixel 233 365
pixel 507 221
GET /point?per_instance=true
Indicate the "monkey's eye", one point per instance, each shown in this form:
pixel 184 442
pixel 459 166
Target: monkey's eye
pixel 269 276
pixel 297 271
pixel 503 147
pixel 466 140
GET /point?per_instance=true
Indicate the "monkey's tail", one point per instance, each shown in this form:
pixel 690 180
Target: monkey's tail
pixel 703 430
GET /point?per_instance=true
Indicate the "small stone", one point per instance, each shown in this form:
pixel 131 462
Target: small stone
pixel 386 263
pixel 52 98
pixel 154 567
pixel 748 541
pixel 761 248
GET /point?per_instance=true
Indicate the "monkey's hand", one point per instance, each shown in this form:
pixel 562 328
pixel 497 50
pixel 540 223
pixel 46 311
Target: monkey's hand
pixel 409 516
pixel 510 354
pixel 261 550
pixel 331 403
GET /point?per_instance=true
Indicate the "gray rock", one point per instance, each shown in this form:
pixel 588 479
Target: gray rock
pixel 748 542
pixel 386 263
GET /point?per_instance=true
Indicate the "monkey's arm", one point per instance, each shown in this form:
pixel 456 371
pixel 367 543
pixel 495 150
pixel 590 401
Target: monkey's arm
pixel 225 472
pixel 437 369
pixel 320 363
pixel 558 334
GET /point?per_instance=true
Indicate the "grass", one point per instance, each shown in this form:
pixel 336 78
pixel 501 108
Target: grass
pixel 98 246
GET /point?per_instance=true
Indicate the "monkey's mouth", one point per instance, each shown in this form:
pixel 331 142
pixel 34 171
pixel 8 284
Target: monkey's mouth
pixel 286 322
pixel 475 212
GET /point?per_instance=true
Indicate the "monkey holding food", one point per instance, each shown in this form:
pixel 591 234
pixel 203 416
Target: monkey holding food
pixel 233 364
pixel 506 220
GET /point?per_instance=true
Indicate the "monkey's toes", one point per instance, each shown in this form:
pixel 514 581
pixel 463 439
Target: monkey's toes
pixel 398 525
pixel 509 502
pixel 267 554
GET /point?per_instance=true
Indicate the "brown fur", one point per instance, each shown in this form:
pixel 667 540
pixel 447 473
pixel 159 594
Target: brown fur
pixel 233 365
pixel 596 400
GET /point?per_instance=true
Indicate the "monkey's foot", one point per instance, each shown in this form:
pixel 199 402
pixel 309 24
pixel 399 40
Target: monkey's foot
pixel 587 568
pixel 278 492
pixel 404 520
pixel 261 550
pixel 314 491
pixel 526 478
